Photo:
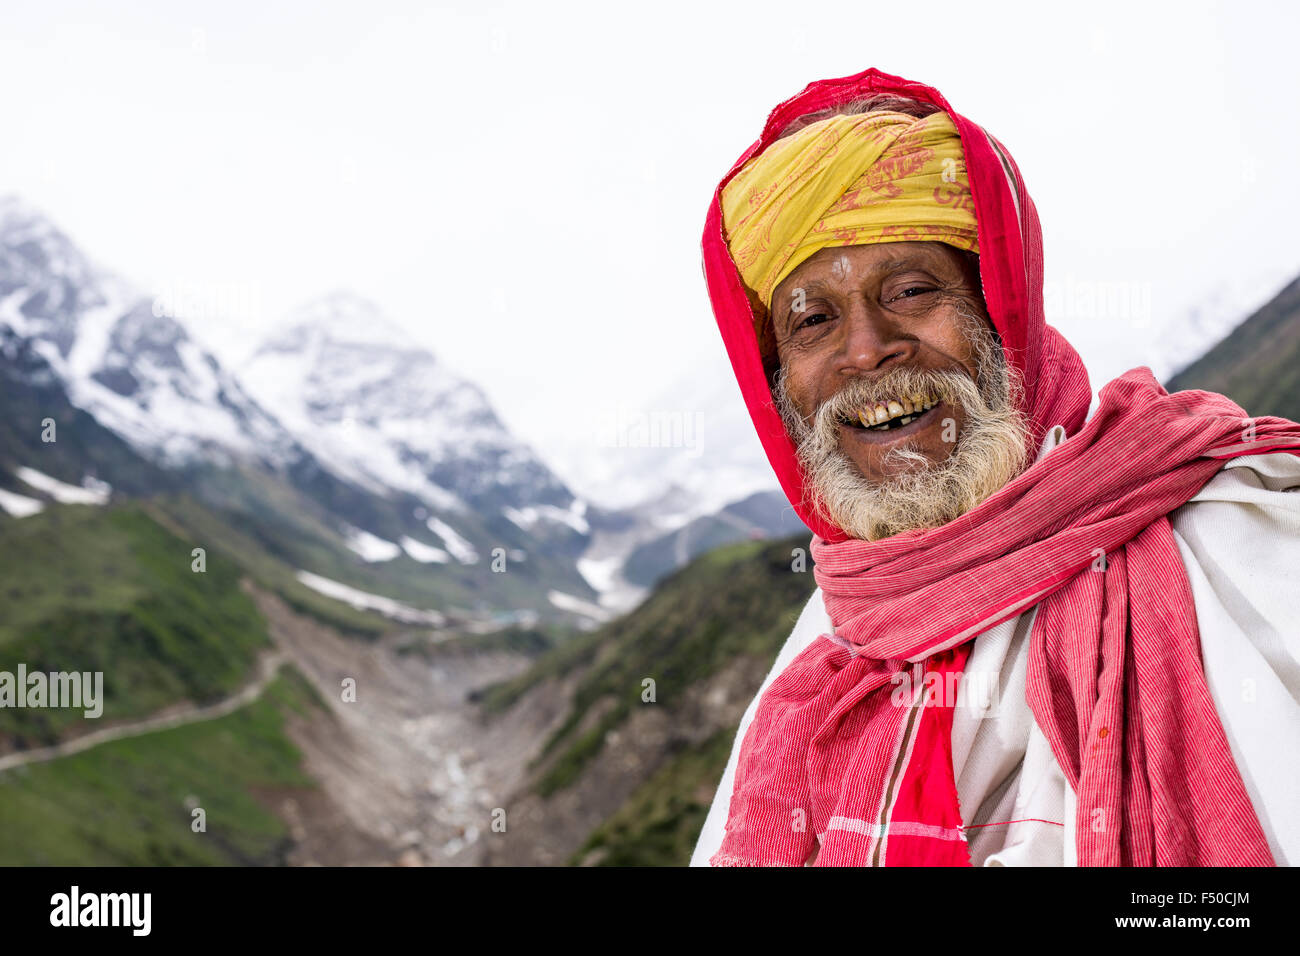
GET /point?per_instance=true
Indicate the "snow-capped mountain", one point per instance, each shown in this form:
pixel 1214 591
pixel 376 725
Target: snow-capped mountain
pixel 35 407
pixel 379 409
pixel 137 371
pixel 403 482
pixel 339 382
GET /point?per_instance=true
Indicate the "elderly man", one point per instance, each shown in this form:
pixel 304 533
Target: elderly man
pixel 1038 637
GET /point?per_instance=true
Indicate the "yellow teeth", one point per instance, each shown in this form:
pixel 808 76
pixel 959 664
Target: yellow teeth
pixel 903 405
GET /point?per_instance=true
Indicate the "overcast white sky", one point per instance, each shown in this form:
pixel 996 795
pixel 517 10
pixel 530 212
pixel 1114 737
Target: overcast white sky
pixel 523 186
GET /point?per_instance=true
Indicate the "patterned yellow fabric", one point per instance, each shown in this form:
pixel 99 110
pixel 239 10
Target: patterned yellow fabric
pixel 846 181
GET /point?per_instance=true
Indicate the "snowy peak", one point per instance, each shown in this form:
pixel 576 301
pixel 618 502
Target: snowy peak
pixel 338 358
pixel 47 285
pixel 36 250
pixel 339 379
pixel 140 338
pixel 160 390
pixel 378 408
pixel 120 358
pixel 405 459
pixel 342 320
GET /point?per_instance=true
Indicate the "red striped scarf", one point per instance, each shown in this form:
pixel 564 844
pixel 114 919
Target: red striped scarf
pixel 836 756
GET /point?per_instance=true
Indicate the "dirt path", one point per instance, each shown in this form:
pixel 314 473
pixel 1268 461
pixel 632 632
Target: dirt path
pixel 176 717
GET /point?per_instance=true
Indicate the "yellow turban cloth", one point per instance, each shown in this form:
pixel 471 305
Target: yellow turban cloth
pixel 846 181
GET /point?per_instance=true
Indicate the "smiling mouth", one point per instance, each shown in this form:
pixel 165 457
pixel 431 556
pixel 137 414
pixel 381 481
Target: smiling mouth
pixel 893 414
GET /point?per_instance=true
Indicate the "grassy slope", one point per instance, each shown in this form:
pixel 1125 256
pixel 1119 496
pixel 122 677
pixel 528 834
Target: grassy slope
pixel 124 803
pixel 660 822
pixel 111 590
pixel 217 533
pixel 739 600
pixel 1258 364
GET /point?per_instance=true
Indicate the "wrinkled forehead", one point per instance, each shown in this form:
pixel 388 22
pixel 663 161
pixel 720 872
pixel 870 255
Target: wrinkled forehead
pixel 837 264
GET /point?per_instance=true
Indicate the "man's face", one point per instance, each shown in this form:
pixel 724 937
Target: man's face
pixel 860 314
pixel 895 334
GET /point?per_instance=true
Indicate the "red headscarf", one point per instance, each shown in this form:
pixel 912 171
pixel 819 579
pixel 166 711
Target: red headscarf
pixel 1114 677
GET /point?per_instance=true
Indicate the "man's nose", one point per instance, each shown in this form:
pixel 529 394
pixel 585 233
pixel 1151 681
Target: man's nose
pixel 871 338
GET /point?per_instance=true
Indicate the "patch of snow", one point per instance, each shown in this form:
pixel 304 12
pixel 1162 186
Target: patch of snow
pixel 63 492
pixel 11 311
pixel 526 518
pixel 671 522
pixel 601 573
pixel 425 554
pixel 94 327
pixel 365 601
pixel 567 602
pixel 460 549
pixel 19 506
pixel 371 547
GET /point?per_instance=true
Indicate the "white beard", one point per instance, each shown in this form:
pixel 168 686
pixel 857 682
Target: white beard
pixel 989 452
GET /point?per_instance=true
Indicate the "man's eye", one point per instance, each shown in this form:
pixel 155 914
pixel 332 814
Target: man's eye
pixel 917 289
pixel 808 319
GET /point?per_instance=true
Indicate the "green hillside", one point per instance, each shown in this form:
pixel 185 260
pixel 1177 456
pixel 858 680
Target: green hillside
pixel 129 802
pixel 113 589
pixel 1258 364
pixel 660 822
pixel 731 607
pixel 109 589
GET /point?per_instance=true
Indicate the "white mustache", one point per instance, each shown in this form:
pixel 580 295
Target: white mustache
pixel 990 451
pixel 945 385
